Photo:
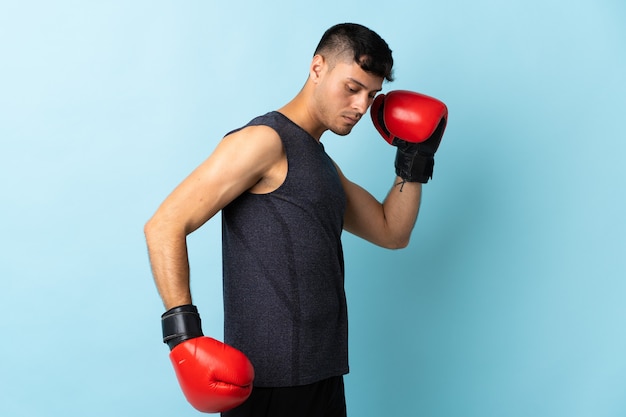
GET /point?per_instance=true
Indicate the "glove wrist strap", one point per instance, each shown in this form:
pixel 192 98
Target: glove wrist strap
pixel 179 324
pixel 413 167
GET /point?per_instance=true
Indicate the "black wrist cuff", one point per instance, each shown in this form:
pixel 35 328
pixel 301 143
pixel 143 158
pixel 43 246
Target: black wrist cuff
pixel 413 167
pixel 179 324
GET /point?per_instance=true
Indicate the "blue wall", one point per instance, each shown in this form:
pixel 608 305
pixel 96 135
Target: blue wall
pixel 509 300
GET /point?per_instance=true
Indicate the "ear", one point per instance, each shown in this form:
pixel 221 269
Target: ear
pixel 317 67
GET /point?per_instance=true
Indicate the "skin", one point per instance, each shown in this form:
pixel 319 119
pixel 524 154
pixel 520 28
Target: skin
pixel 335 97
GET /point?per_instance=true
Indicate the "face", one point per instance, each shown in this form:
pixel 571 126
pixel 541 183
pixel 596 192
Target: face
pixel 342 94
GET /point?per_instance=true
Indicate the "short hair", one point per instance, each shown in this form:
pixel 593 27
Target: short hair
pixel 367 48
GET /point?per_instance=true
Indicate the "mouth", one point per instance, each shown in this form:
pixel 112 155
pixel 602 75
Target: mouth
pixel 351 120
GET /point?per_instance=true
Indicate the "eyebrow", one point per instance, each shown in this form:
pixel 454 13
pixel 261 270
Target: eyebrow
pixel 363 85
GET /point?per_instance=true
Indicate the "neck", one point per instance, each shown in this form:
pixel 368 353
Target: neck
pixel 299 111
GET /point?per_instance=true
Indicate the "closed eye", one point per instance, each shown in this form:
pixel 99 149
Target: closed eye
pixel 350 86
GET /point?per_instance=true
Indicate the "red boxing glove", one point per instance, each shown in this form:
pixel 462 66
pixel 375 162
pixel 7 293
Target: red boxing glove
pixel 414 123
pixel 213 376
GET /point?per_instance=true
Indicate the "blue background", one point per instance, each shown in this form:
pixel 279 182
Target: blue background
pixel 509 300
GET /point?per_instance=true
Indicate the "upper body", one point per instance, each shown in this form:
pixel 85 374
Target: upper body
pixel 340 87
pixel 283 268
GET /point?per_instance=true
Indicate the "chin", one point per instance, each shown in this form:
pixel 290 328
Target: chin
pixel 342 131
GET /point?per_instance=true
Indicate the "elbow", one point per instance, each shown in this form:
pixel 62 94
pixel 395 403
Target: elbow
pixel 154 230
pixel 397 243
pixel 149 228
pixel 162 228
pixel 403 244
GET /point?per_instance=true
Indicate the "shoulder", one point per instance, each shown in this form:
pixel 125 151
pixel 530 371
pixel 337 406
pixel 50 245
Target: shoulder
pixel 254 149
pixel 255 136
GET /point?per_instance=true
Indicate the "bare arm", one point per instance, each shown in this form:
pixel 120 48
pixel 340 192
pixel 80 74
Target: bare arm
pixel 239 162
pixel 388 224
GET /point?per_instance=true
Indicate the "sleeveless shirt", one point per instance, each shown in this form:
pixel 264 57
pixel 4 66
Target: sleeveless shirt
pixel 283 268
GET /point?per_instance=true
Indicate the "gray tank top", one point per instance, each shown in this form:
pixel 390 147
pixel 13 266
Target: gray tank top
pixel 284 299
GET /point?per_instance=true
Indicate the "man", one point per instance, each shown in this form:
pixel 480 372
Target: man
pixel 284 205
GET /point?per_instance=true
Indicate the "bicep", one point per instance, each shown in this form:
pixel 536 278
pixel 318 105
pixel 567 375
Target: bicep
pixel 387 224
pixel 364 216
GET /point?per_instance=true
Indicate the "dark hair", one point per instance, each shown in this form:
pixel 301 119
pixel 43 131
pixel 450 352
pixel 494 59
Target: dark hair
pixel 369 50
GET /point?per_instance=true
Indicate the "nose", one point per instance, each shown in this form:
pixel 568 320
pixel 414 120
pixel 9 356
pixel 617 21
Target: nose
pixel 361 103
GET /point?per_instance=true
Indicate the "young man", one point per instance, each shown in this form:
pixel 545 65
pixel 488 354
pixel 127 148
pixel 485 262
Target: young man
pixel 284 205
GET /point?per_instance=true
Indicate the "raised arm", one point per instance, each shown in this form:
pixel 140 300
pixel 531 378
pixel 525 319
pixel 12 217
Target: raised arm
pixel 388 224
pixel 415 124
